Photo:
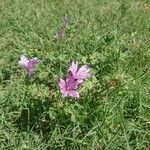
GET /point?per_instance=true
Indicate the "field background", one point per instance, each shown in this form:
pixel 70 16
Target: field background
pixel 113 37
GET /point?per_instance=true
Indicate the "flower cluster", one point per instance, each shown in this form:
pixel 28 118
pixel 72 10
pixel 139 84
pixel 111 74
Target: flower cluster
pixel 74 79
pixel 70 85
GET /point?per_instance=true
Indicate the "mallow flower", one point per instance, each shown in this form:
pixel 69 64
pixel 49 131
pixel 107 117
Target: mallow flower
pixel 79 73
pixel 69 87
pixel 73 81
pixel 28 65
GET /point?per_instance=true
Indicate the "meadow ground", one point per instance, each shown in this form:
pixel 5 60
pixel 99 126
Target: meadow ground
pixel 113 37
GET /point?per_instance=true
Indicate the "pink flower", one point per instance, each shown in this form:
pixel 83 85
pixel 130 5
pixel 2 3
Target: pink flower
pixel 81 73
pixel 69 86
pixel 28 64
pixel 73 81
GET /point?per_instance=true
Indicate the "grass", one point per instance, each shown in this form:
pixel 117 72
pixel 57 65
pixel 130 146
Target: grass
pixel 114 109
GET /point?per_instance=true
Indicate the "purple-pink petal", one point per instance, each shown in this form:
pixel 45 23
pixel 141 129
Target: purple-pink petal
pixel 81 73
pixel 74 94
pixel 23 62
pixel 73 68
